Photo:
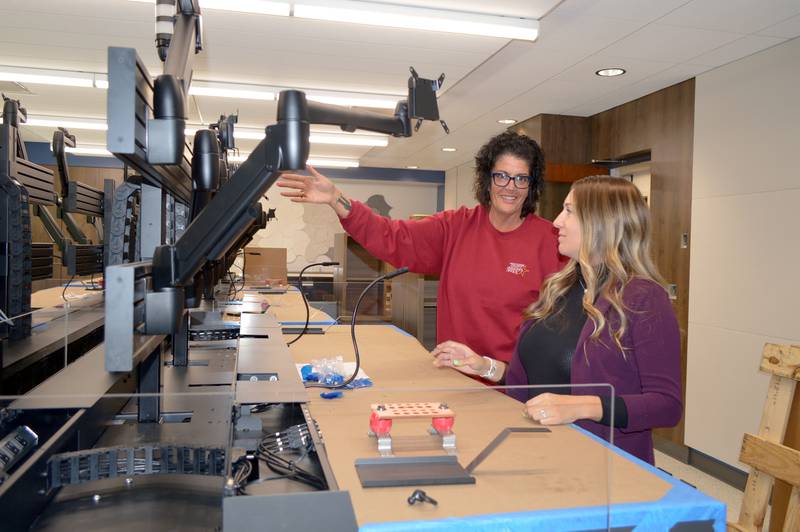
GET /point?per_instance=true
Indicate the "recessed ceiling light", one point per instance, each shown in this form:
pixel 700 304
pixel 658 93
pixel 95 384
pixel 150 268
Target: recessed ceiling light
pixel 610 72
pixel 448 149
pixel 412 167
pixel 506 121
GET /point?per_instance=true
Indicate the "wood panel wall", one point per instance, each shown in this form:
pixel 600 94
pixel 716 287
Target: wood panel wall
pixel 663 124
pixel 565 141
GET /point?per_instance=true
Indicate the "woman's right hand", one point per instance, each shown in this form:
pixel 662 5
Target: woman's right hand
pixel 315 188
pixel 459 356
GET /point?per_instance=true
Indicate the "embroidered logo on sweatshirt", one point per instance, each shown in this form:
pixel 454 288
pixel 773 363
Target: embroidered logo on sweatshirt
pixel 517 269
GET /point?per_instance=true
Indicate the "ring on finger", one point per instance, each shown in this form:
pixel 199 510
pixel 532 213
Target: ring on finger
pixel 542 413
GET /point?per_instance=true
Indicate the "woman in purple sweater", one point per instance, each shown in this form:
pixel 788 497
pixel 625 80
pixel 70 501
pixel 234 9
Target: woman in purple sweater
pixel 605 318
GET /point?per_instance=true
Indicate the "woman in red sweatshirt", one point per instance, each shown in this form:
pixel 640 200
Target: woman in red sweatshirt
pixel 491 259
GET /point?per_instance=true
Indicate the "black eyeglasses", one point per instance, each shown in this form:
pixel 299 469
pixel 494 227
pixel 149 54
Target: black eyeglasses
pixel 501 179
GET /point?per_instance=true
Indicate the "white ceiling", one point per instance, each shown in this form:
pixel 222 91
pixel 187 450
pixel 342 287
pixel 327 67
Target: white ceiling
pixel 658 42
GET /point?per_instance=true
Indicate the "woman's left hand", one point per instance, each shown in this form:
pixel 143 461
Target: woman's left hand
pixel 556 409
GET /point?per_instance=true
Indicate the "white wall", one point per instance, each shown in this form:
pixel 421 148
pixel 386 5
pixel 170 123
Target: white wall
pixel 306 231
pixel 745 242
pixel 458 182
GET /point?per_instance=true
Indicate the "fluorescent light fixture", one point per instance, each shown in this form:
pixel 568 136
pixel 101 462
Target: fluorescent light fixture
pixel 245 134
pixel 262 7
pixel 449 149
pixel 268 93
pixel 333 163
pixel 231 90
pixel 100 81
pixel 222 89
pixel 313 161
pixel 506 121
pixel 94 151
pixel 347 139
pixel 67 122
pixel 376 101
pixel 418 18
pixel 67 78
pixel 610 72
pixel 316 137
pixel 412 167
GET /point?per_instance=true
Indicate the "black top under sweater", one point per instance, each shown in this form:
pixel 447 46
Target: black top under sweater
pixel 547 348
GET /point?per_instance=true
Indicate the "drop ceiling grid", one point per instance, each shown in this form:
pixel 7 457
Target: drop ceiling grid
pixel 661 42
pixel 669 68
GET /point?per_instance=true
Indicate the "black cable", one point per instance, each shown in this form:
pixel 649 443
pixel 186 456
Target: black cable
pixel 305 301
pixel 64 292
pixel 352 377
pixel 232 287
pixel 295 439
pixel 243 468
pixel 291 470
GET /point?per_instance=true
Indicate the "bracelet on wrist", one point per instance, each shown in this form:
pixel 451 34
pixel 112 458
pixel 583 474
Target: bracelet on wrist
pixel 490 373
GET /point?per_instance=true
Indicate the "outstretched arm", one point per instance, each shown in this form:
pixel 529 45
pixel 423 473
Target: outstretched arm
pixel 315 188
pixel 417 244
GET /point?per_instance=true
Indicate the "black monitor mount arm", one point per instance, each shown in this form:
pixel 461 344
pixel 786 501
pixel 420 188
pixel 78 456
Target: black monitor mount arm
pixel 235 207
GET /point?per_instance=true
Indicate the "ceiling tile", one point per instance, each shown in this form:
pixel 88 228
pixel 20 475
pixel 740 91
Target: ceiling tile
pixel 516 8
pixel 486 78
pixel 789 29
pixel 747 45
pixel 622 9
pixel 658 42
pixel 740 16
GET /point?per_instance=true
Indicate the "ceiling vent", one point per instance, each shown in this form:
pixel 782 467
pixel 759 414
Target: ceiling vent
pixel 12 87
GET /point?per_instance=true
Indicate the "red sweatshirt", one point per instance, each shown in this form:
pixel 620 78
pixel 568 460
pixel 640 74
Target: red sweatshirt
pixel 487 277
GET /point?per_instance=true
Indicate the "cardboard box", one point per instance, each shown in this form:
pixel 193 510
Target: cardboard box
pixel 265 267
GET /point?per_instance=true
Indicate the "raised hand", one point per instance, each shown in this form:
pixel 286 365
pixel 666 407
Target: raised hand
pixel 315 188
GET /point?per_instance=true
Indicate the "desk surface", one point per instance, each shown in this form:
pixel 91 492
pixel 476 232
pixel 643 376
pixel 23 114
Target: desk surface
pixel 288 308
pixel 75 294
pixel 562 470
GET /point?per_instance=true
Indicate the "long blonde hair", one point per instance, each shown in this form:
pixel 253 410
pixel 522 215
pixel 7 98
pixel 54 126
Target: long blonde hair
pixel 615 248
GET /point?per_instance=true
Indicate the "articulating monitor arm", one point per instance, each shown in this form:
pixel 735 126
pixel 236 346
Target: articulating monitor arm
pixel 61 141
pixel 350 120
pixel 232 210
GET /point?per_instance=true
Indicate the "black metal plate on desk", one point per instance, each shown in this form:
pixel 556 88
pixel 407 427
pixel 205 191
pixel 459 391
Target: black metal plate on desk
pixel 411 471
pixel 266 289
pixel 298 330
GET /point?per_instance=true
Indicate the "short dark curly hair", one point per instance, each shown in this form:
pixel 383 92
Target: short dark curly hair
pixel 521 146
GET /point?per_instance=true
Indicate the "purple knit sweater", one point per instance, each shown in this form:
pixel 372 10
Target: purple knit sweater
pixel 648 378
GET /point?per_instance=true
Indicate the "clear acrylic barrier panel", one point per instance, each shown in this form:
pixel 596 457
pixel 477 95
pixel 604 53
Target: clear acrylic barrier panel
pixel 217 448
pixel 90 461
